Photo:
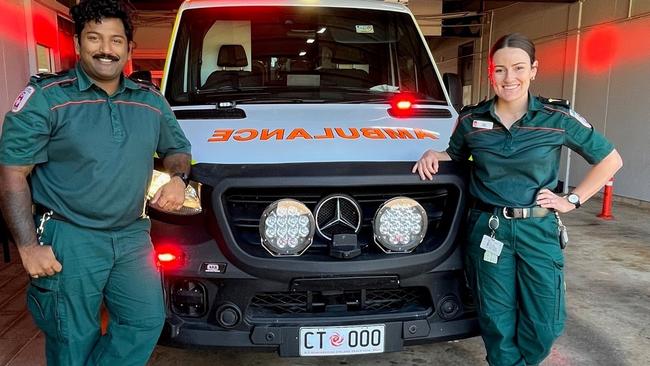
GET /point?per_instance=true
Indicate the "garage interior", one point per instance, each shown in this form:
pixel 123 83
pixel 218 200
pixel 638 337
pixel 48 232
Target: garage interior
pixel 594 53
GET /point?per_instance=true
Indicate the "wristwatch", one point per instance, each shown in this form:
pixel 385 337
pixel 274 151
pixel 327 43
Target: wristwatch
pixel 184 177
pixel 574 199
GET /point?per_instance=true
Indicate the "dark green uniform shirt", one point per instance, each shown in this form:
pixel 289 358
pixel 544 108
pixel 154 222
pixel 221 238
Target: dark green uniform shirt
pixel 511 166
pixel 93 152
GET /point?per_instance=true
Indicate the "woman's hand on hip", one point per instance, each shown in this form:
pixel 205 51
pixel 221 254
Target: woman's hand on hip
pixel 548 199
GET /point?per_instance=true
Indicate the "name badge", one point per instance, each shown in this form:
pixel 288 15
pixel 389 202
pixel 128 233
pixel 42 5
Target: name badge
pixel 491 245
pixel 482 124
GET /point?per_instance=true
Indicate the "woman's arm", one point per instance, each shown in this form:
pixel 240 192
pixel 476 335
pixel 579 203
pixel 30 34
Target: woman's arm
pixel 427 166
pixel 595 179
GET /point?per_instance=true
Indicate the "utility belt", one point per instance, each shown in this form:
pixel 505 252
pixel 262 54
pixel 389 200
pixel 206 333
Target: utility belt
pixel 511 212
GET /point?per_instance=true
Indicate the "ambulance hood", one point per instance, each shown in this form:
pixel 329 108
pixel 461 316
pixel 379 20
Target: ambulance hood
pixel 303 133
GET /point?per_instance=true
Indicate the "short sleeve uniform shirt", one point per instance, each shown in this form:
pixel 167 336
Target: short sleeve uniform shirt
pixel 93 153
pixel 512 165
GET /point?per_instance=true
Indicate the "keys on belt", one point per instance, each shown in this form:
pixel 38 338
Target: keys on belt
pixel 38 209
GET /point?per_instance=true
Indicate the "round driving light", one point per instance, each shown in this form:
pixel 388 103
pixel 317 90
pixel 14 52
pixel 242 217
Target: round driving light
pixel 399 225
pixel 287 228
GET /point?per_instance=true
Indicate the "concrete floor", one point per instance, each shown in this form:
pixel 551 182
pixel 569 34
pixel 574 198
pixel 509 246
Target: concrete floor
pixel 608 281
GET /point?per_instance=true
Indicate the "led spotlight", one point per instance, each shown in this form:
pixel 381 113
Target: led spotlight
pixel 400 225
pixel 287 228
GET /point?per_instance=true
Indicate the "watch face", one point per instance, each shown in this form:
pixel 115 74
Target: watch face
pixel 573 198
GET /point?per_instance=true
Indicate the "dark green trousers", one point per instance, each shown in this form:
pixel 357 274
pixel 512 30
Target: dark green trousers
pixel 113 266
pixel 520 298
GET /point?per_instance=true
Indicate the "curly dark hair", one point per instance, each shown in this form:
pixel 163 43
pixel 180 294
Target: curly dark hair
pixel 96 10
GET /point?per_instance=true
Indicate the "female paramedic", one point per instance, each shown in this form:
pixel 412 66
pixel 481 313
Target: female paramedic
pixel 514 258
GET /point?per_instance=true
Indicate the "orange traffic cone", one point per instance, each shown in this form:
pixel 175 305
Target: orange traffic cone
pixel 606 212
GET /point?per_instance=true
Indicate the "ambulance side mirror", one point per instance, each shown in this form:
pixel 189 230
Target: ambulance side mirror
pixel 454 89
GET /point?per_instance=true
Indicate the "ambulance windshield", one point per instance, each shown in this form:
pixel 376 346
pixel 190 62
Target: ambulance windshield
pixel 298 53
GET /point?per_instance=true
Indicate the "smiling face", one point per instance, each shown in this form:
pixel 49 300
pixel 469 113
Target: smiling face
pixel 103 51
pixel 511 72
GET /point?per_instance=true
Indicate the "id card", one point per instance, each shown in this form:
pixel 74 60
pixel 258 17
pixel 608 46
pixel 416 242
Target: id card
pixel 491 245
pixel 490 257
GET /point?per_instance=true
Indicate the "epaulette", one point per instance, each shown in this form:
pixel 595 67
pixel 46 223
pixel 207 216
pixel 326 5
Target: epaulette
pixel 43 76
pixel 146 85
pixel 566 104
pixel 554 101
pixel 472 106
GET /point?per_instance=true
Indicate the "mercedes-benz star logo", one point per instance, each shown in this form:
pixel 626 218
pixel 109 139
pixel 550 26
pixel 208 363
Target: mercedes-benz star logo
pixel 337 214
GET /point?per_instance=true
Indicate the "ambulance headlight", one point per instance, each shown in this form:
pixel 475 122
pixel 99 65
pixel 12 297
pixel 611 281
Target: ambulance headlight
pixel 192 203
pixel 399 225
pixel 287 228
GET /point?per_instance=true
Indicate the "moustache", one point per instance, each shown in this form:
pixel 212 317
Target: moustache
pixel 106 56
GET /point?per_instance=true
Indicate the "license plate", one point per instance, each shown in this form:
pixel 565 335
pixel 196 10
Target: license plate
pixel 354 340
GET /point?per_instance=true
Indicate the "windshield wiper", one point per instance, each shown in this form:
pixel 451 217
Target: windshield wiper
pixel 228 94
pixel 255 98
pixel 227 90
pixel 375 95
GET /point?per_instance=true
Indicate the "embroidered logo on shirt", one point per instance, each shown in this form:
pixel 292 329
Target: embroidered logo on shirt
pixel 22 99
pixel 580 119
pixel 482 124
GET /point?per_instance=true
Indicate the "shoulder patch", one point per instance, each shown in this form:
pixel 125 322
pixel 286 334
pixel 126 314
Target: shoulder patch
pixel 22 99
pixel 580 119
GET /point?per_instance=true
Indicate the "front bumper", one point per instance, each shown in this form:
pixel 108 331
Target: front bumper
pixel 257 301
pixel 286 341
pixel 273 323
pixel 266 314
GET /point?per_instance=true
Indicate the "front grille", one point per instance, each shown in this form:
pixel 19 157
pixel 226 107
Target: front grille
pixel 358 301
pixel 244 207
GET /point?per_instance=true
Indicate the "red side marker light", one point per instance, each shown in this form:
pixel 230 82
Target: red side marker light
pixel 401 106
pixel 166 257
pixel 404 104
pixel 170 257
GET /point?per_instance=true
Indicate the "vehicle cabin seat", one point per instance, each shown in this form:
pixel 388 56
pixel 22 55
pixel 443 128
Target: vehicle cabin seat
pixel 346 76
pixel 232 56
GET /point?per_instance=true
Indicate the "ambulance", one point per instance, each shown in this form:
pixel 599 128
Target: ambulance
pixel 303 230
